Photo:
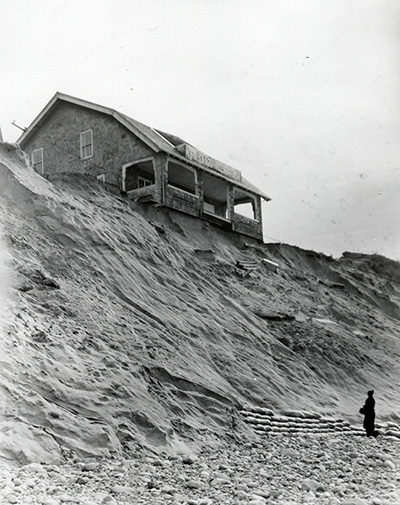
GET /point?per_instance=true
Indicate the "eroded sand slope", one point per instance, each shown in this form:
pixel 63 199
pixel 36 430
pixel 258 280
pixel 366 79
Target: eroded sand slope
pixel 131 326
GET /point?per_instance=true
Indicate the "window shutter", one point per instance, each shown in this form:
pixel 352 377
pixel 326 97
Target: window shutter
pixel 37 160
pixel 86 144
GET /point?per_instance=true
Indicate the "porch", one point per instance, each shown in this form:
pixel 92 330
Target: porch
pixel 174 184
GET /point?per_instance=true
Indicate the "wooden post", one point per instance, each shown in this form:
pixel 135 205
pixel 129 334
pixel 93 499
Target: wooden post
pixel 200 191
pixel 258 210
pixel 230 202
pixel 161 176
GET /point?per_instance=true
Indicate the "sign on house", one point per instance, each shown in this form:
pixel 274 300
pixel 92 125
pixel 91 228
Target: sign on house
pixel 193 154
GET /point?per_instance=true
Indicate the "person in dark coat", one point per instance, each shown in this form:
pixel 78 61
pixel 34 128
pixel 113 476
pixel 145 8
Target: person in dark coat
pixel 369 414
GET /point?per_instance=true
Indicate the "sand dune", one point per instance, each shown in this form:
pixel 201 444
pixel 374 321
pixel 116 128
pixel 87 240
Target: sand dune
pixel 129 326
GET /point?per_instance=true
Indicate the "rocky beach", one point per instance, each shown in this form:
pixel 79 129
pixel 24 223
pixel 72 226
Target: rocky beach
pixel 279 470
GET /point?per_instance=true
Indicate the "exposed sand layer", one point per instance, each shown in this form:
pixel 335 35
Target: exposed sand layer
pixel 133 327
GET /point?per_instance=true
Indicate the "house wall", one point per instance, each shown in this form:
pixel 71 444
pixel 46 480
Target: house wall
pixel 59 136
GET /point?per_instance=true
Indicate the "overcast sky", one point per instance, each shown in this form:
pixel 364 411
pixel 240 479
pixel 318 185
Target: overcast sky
pixel 303 96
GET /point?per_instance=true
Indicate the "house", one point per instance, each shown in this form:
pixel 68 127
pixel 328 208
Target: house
pixel 147 165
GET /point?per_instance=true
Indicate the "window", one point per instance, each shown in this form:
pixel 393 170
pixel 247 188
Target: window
pixel 37 160
pixel 142 182
pixel 86 144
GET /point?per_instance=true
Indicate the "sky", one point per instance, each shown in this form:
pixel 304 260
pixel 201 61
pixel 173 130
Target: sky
pixel 302 96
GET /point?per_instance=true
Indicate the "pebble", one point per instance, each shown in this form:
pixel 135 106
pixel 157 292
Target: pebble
pixel 50 501
pixel 389 464
pixel 91 466
pixel 220 482
pixel 324 470
pixel 189 460
pixel 122 489
pixel 194 484
pixel 241 494
pixel 65 498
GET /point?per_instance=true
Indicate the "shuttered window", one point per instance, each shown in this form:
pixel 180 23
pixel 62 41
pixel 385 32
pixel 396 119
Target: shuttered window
pixel 37 160
pixel 86 144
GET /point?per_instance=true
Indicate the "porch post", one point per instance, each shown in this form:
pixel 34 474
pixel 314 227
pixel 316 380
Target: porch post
pixel 200 191
pixel 230 202
pixel 258 210
pixel 161 176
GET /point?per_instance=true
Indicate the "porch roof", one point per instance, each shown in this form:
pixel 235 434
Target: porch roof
pixel 157 140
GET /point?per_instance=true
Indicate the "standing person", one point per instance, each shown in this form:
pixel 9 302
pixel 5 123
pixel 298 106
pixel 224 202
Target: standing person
pixel 369 414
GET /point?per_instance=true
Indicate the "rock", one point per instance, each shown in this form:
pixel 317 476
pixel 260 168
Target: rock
pixel 354 501
pixel 312 485
pixel 108 500
pixel 189 460
pixel 220 482
pixel 50 501
pixel 61 479
pixel 220 475
pixel 252 484
pixel 82 480
pixel 121 489
pixel 91 466
pixel 33 468
pixel 194 484
pixel 12 498
pixel 51 283
pixel 290 452
pixel 389 464
pixel 241 494
pixel 256 499
pixel 262 493
pixel 65 498
pixel 25 287
pixel 168 489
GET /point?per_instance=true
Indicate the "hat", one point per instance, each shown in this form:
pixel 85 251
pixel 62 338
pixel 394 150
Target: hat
pixel 370 393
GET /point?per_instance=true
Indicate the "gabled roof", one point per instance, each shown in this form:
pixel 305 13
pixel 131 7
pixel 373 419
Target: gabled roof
pixel 157 140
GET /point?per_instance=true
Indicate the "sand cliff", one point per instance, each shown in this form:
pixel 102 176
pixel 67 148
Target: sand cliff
pixel 126 326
